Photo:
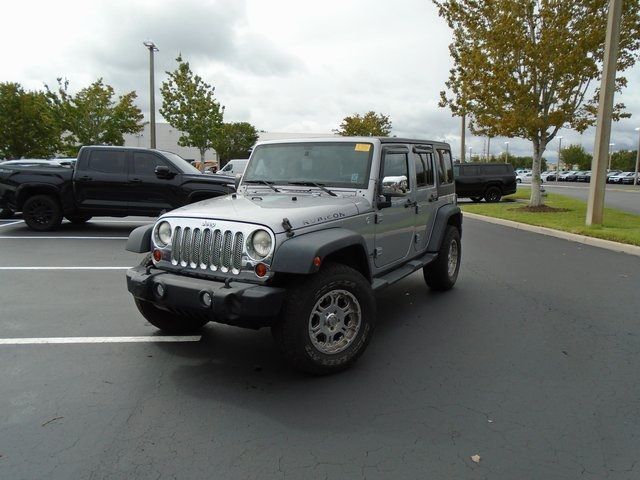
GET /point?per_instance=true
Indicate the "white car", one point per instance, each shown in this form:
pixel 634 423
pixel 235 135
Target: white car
pixel 233 167
pixel 620 177
pixel 525 177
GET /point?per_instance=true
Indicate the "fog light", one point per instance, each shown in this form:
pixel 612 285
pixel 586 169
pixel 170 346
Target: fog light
pixel 159 289
pixel 157 255
pixel 261 269
pixel 207 300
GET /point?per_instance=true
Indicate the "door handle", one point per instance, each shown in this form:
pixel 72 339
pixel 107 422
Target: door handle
pixel 85 178
pixel 135 180
pixel 433 197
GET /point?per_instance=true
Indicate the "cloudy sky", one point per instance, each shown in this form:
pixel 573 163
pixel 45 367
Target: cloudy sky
pixel 282 65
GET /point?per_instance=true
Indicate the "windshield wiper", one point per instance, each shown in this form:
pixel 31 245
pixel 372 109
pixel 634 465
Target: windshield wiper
pixel 314 184
pixel 263 182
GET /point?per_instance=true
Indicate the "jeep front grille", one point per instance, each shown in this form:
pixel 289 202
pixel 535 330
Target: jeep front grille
pixel 207 248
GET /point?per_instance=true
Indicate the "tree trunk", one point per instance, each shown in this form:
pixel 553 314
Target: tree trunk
pixel 202 160
pixel 536 196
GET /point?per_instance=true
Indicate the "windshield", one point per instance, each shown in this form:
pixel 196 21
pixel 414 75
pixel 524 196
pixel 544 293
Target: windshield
pixel 339 164
pixel 180 163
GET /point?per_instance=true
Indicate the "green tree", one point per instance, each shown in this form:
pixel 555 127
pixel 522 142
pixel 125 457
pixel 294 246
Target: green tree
pixel 190 107
pixel 575 155
pixel 28 126
pixel 234 140
pixel 524 68
pixel 624 160
pixel 371 124
pixel 93 117
pixel 525 162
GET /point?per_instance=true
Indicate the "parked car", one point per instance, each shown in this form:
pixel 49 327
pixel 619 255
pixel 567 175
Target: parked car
pixel 572 176
pixel 584 176
pixel 628 180
pixel 619 177
pixel 106 181
pixel 526 178
pixel 311 234
pixel 547 175
pixel 611 173
pixel 233 167
pixel 490 181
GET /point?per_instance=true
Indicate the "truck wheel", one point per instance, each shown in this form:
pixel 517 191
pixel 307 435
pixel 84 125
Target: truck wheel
pixel 42 213
pixel 327 321
pixel 167 321
pixel 492 195
pixel 443 272
pixel 6 213
pixel 78 219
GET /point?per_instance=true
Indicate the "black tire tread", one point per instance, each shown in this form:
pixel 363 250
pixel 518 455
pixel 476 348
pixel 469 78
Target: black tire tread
pixel 57 213
pixel 436 274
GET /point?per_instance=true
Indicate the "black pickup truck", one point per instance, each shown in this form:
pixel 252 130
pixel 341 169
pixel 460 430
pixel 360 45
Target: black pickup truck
pixel 106 181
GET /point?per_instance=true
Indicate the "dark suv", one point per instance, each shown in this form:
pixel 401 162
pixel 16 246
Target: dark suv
pixel 490 181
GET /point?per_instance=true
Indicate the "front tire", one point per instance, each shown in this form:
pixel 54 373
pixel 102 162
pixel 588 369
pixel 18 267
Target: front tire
pixel 327 321
pixel 443 272
pixel 42 213
pixel 492 195
pixel 167 321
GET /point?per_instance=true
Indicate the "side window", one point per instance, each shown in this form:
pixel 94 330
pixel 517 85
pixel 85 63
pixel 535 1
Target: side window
pixel 470 170
pixel 396 174
pixel 445 166
pixel 107 161
pixel 427 159
pixel 145 163
pixel 421 174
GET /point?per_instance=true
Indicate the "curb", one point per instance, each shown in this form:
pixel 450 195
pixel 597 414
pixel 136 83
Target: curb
pixel 573 237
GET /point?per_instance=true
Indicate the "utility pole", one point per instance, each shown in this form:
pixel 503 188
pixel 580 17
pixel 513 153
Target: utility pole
pixel 559 153
pixel 609 165
pixel 488 149
pixel 507 159
pixel 635 179
pixel 595 204
pixel 462 139
pixel 152 97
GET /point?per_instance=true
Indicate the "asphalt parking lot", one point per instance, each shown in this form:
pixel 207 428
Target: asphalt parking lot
pixel 530 363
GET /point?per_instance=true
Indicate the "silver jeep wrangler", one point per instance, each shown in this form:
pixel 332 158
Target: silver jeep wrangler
pixel 316 226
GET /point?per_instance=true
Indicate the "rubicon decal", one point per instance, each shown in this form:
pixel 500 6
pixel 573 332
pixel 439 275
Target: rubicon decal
pixel 333 216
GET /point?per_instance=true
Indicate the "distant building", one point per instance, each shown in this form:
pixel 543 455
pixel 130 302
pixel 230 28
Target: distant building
pixel 167 139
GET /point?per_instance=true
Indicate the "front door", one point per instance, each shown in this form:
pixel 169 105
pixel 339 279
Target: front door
pixel 395 224
pixel 150 194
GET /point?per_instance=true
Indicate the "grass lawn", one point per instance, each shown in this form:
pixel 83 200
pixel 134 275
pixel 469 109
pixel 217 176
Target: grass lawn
pixel 618 226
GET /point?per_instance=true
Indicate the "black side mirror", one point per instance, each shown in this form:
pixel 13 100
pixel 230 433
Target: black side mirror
pixel 162 171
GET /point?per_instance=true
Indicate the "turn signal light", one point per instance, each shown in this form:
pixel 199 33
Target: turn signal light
pixel 317 261
pixel 261 269
pixel 157 255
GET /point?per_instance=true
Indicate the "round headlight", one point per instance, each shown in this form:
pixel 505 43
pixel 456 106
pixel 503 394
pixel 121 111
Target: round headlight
pixel 164 233
pixel 261 243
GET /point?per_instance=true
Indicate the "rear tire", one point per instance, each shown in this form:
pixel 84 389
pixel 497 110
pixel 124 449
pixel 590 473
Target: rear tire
pixel 443 272
pixel 492 195
pixel 78 219
pixel 42 213
pixel 6 213
pixel 327 320
pixel 167 321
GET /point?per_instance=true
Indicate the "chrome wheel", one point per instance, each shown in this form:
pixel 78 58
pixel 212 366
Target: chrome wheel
pixel 452 258
pixel 334 321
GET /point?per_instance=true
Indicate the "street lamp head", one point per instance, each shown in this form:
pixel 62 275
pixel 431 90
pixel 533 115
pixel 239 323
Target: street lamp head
pixel 560 138
pixel 637 129
pixel 150 45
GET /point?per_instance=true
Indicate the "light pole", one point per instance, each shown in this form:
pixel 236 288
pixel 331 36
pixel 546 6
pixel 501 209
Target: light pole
pixel 152 107
pixel 609 165
pixel 463 129
pixel 559 153
pixel 470 156
pixel 635 178
pixel 507 159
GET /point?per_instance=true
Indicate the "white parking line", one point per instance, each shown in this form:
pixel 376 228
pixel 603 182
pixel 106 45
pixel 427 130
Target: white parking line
pixel 66 340
pixel 54 237
pixel 64 268
pixel 12 223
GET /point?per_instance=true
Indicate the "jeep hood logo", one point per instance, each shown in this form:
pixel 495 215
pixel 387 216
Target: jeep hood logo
pixel 208 224
pixel 333 216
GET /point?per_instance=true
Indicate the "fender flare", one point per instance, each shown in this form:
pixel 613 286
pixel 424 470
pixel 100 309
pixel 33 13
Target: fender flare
pixel 296 254
pixel 139 240
pixel 22 192
pixel 446 215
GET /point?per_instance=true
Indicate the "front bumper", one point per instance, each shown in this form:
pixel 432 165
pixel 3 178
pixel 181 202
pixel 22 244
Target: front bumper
pixel 235 303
